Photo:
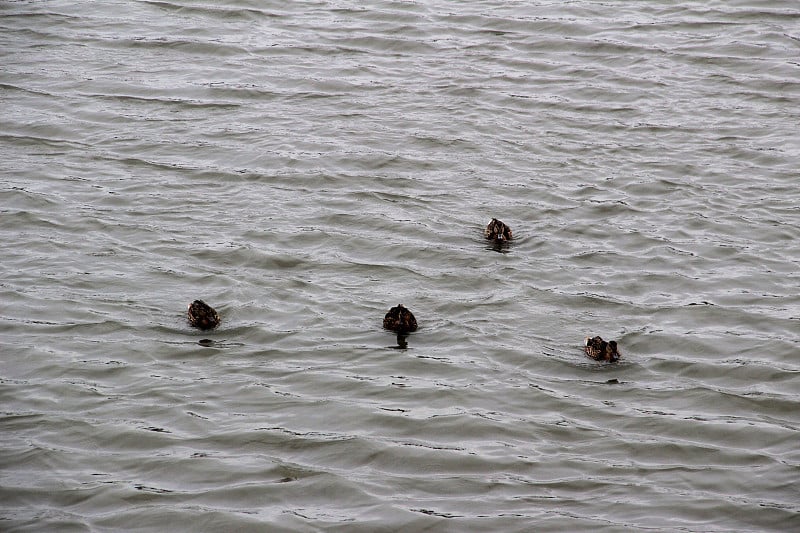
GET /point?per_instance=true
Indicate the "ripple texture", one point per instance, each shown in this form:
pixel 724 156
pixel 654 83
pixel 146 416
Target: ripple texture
pixel 303 167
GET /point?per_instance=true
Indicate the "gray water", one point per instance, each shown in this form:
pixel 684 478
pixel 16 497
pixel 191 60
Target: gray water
pixel 305 166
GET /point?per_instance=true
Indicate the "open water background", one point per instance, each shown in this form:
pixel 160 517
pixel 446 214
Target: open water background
pixel 303 166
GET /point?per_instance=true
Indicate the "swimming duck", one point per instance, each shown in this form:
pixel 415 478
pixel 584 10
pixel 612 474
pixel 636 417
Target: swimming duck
pixel 400 320
pixel 202 315
pixel 497 231
pixel 600 350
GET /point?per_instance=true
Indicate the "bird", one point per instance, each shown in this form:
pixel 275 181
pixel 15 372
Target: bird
pixel 202 315
pixel 600 350
pixel 497 231
pixel 400 320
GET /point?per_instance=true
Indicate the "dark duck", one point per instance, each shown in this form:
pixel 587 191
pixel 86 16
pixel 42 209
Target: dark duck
pixel 400 320
pixel 600 350
pixel 497 231
pixel 202 315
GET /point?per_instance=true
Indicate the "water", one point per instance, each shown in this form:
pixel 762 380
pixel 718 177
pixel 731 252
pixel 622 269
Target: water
pixel 303 167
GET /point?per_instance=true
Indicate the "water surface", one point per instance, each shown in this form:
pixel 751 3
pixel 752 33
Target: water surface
pixel 305 166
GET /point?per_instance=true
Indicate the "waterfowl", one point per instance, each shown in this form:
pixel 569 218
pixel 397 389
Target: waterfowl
pixel 400 320
pixel 600 350
pixel 497 231
pixel 202 315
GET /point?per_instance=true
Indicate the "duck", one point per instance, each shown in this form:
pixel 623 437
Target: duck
pixel 202 315
pixel 600 350
pixel 497 231
pixel 400 320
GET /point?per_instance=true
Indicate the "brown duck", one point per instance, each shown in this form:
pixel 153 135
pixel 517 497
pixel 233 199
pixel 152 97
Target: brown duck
pixel 202 315
pixel 600 350
pixel 497 231
pixel 400 320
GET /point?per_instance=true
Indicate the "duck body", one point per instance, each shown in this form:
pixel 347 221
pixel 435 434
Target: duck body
pixel 600 350
pixel 400 320
pixel 202 315
pixel 497 231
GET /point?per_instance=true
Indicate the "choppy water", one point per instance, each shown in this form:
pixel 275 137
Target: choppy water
pixel 303 167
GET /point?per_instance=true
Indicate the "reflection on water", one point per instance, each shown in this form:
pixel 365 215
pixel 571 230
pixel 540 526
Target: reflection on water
pixel 502 247
pixel 402 342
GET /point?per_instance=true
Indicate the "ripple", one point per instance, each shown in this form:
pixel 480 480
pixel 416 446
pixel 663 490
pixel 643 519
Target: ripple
pixel 304 167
